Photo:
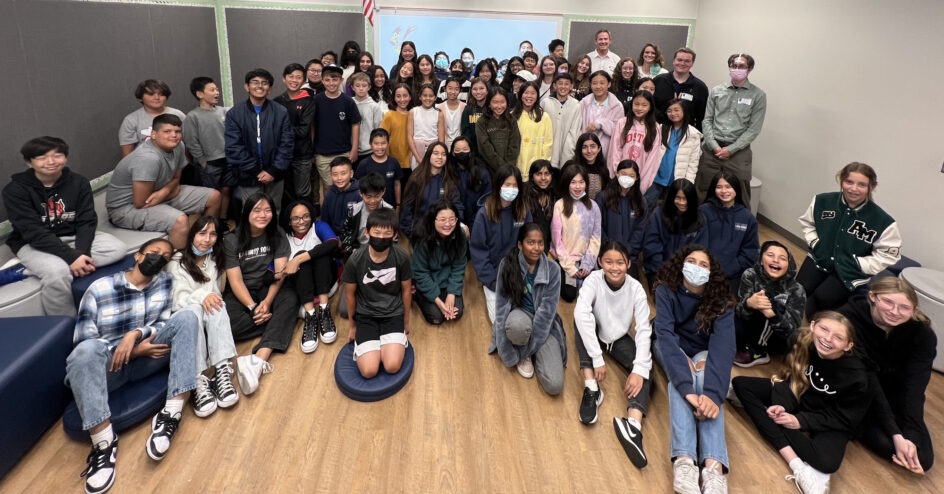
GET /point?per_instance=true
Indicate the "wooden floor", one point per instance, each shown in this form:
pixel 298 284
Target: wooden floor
pixel 464 423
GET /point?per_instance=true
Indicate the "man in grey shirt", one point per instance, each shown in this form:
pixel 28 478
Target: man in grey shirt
pixel 145 192
pixel 733 119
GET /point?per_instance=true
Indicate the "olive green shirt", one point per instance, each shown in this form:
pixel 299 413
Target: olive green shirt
pixel 734 115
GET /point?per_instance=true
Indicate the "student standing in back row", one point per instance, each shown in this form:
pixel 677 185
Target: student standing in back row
pixel 337 128
pixel 499 140
pixel 136 127
pixel 301 111
pixel 564 112
pixel 681 84
pixel 203 137
pixel 602 58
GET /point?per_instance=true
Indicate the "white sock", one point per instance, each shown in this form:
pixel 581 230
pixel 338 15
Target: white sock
pixel 174 407
pixel 323 306
pixel 633 422
pixel 796 464
pixel 105 436
pixel 592 384
pixel 311 311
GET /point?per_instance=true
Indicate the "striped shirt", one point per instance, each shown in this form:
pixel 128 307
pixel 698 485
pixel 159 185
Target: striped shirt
pixel 112 306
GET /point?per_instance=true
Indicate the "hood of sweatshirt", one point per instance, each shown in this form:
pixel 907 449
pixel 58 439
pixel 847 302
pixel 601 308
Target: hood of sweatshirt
pixel 783 280
pixel 49 194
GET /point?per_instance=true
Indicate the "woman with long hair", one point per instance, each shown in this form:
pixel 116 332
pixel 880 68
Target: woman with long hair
pixel 439 260
pixel 575 230
pixel 431 181
pixel 674 223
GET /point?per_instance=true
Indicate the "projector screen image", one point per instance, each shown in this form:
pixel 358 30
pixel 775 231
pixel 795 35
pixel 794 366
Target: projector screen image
pixel 485 36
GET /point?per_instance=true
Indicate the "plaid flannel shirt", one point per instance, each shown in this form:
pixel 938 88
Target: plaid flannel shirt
pixel 112 306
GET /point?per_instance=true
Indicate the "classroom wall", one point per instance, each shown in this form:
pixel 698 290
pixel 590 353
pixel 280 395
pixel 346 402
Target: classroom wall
pixel 845 81
pixel 626 8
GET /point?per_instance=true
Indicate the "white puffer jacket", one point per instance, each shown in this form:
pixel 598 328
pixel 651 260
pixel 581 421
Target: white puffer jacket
pixel 688 154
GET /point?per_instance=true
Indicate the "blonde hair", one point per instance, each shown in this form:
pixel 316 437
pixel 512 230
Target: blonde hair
pixel 798 359
pixel 891 284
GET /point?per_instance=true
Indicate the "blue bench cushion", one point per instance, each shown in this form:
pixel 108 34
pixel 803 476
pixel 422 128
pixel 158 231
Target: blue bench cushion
pixel 130 405
pixel 80 285
pixel 32 370
pixel 381 386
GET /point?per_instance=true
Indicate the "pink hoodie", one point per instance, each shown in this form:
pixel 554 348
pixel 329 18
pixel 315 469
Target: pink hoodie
pixel 633 149
pixel 603 117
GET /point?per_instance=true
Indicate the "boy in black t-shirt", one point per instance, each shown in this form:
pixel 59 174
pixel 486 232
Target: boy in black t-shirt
pixel 377 281
pixel 337 128
pixel 381 162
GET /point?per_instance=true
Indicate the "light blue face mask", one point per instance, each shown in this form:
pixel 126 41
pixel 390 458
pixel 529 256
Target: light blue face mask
pixel 199 253
pixel 442 63
pixel 509 193
pixel 695 274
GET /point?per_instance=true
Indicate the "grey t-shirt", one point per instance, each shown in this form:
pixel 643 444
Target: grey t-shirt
pixel 136 127
pixel 147 163
pixel 203 133
pixel 255 260
pixel 378 293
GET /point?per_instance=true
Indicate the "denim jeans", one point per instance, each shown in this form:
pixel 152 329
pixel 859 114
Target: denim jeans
pixel 214 338
pixel 88 375
pixel 690 435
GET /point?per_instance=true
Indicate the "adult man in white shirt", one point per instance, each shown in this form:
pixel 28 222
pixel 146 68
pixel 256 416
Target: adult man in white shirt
pixel 602 58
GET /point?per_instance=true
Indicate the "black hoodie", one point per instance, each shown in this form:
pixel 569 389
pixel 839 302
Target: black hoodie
pixel 40 215
pixel 899 362
pixel 787 297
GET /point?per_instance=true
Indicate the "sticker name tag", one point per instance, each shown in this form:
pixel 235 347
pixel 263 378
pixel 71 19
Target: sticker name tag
pixel 389 174
pixel 686 97
pixel 745 101
pixel 741 227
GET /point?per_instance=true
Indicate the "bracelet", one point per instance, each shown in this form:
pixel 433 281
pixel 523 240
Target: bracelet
pixel 251 307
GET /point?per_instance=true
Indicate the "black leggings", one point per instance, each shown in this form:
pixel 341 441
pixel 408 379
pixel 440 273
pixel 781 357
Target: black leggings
pixel 872 436
pixel 277 332
pixel 315 277
pixel 753 335
pixel 822 450
pixel 623 351
pixel 824 291
pixel 568 293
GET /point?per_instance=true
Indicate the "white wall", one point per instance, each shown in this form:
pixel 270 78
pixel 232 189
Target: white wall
pixel 845 81
pixel 628 8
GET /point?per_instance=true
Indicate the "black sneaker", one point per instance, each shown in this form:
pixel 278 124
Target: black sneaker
pixel 202 398
pixel 100 472
pixel 222 385
pixel 163 428
pixel 631 439
pixel 328 331
pixel 310 332
pixel 589 405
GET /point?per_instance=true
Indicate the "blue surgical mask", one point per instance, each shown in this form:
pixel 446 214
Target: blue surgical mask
pixel 442 63
pixel 468 61
pixel 509 193
pixel 200 253
pixel 695 274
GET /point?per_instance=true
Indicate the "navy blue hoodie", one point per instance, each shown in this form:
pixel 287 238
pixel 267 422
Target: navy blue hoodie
pixel 490 241
pixel 410 211
pixel 470 197
pixel 623 226
pixel 242 148
pixel 337 203
pixel 732 236
pixel 659 243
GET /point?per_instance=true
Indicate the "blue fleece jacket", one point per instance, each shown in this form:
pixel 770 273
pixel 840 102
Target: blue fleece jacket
pixel 679 339
pixel 732 236
pixel 659 243
pixel 337 203
pixel 490 241
pixel 242 134
pixel 411 212
pixel 623 226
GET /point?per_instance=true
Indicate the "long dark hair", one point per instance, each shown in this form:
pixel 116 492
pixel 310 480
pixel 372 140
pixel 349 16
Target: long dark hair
pixel 350 59
pixel 488 95
pixel 686 121
pixel 534 195
pixel 677 222
pixel 570 172
pixel 400 53
pixel 421 176
pixel 384 94
pixel 427 235
pixel 535 112
pixel 487 111
pixel 475 169
pixel 717 296
pixel 730 178
pixel 398 80
pixel 598 167
pixel 243 235
pixel 188 260
pixel 418 78
pixel 613 192
pixel 619 81
pixel 509 77
pixel 392 104
pixel 649 120
pixel 512 280
pixel 491 68
pixel 493 205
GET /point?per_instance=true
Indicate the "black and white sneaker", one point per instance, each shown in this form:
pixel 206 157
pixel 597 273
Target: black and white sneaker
pixel 163 428
pixel 100 472
pixel 328 331
pixel 589 404
pixel 310 332
pixel 630 437
pixel 202 399
pixel 222 385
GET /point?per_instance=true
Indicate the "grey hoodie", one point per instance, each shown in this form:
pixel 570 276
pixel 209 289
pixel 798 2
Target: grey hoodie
pixel 786 295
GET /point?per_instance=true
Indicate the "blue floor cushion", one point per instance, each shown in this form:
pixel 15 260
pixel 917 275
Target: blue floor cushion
pixel 381 386
pixel 130 405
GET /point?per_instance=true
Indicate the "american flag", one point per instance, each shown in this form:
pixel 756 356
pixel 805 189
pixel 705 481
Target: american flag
pixel 369 11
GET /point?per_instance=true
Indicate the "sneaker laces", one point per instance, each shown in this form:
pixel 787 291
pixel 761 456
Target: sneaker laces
pixel 167 424
pixel 96 459
pixel 796 482
pixel 222 381
pixel 266 367
pixel 310 328
pixel 327 322
pixel 714 482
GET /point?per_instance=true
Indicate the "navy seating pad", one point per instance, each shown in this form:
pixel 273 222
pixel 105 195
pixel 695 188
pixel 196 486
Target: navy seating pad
pixel 381 386
pixel 130 405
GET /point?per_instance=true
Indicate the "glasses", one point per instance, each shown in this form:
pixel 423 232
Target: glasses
pixel 258 83
pixel 888 304
pixel 301 219
pixel 738 66
pixel 447 221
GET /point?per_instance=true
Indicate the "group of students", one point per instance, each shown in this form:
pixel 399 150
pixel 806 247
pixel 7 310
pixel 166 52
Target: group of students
pixel 541 218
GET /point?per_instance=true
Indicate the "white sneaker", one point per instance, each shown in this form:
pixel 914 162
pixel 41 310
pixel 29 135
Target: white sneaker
pixel 526 368
pixel 249 369
pixel 733 397
pixel 713 480
pixel 809 480
pixel 685 476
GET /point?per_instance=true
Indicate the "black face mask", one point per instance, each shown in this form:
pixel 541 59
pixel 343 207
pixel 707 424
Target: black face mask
pixel 380 244
pixel 458 74
pixel 151 264
pixel 462 158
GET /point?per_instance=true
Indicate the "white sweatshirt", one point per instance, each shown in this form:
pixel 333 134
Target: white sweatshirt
pixel 188 292
pixel 604 314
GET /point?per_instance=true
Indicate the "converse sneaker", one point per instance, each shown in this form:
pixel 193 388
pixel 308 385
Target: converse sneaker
pixel 310 332
pixel 630 437
pixel 163 428
pixel 222 385
pixel 747 358
pixel 526 368
pixel 202 399
pixel 713 480
pixel 100 472
pixel 685 476
pixel 249 369
pixel 589 405
pixel 809 480
pixel 328 331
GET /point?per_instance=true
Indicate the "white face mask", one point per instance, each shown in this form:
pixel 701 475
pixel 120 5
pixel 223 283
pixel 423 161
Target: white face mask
pixel 509 193
pixel 578 197
pixel 695 274
pixel 468 61
pixel 626 181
